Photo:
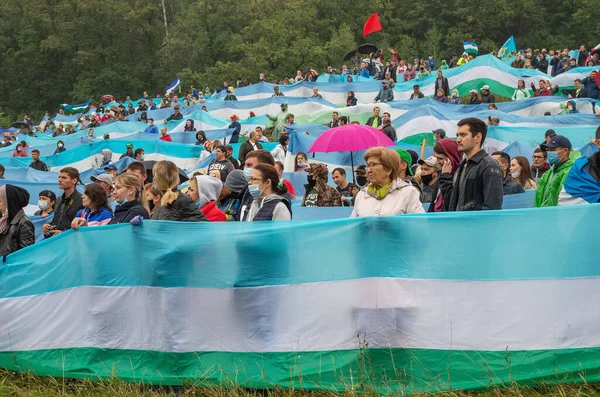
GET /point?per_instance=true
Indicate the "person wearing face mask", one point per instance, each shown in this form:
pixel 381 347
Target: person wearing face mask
pixel 153 197
pixel 204 190
pixel 509 186
pixel 267 190
pixel 151 129
pixel 231 193
pixel 129 195
pixel 106 158
pixel 16 230
pixel 455 99
pixel 551 184
pixel 60 147
pixel 430 169
pixel 520 172
pixel 46 203
pixel 317 192
pixel 19 151
pixel 301 162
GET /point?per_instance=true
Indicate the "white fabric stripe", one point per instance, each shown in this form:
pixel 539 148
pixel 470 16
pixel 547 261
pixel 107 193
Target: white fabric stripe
pixel 185 163
pixel 406 313
pixel 565 198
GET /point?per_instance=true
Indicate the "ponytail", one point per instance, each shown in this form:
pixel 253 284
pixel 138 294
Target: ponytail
pixel 165 176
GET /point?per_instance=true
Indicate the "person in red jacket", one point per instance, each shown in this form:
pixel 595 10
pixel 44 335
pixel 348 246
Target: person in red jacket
pixel 20 151
pixel 205 190
pixel 164 136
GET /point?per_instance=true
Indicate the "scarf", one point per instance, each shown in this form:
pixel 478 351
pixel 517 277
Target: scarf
pixel 379 193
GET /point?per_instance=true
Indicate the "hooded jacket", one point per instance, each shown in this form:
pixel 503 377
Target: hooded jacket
pixel 551 184
pixel 16 230
pixel 444 65
pixel 209 190
pixel 191 128
pixel 539 172
pixel 402 198
pixel 127 211
pixel 385 95
pixel 327 196
pixel 235 136
pixel 450 148
pixel 106 158
pixel 573 106
pixel 182 209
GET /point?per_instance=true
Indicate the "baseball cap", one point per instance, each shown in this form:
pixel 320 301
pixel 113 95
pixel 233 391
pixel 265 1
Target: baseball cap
pixel 485 87
pixel 474 92
pixel 432 162
pixel 177 107
pixel 233 117
pixel 404 155
pixel 111 168
pixel 441 132
pixel 103 178
pixel 385 82
pixel 550 133
pixel 129 145
pixel 557 141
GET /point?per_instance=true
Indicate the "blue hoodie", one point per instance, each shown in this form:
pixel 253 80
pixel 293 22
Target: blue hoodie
pixel 151 129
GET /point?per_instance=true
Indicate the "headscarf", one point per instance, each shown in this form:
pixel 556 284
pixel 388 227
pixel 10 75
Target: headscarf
pixel 14 198
pixel 191 128
pixel 106 155
pixel 320 174
pixel 209 189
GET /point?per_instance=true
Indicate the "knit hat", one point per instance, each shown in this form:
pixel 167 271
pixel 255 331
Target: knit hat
pixel 236 182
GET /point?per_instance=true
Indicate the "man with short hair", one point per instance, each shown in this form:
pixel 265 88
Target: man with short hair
pixel 417 94
pixel 578 92
pixel 334 120
pixel 138 155
pixel 164 136
pixel 477 184
pixel 67 205
pixel 582 185
pixel 229 156
pixel 276 92
pixel 474 98
pixel 37 164
pixel 375 120
pixel 539 164
pixel 509 186
pixel 439 134
pixel 386 94
pixel 486 95
pixel 430 170
pixel 138 170
pixel 107 182
pixel 551 184
pixel 316 94
pixel 388 129
pixel 129 152
pixel 151 129
pixel 176 115
pixel 442 83
pixel 250 145
pixel 220 166
pixel 344 187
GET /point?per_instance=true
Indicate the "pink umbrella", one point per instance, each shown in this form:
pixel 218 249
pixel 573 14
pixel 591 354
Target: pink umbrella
pixel 350 138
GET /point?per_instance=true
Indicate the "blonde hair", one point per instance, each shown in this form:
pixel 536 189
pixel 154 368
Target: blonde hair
pixel 150 188
pixel 165 177
pixel 129 180
pixel 388 158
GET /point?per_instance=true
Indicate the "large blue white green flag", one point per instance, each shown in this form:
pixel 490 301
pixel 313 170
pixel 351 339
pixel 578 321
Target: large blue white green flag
pixel 470 48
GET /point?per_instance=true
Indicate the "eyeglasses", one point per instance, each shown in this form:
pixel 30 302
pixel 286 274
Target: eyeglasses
pixel 372 165
pixel 538 157
pixel 252 180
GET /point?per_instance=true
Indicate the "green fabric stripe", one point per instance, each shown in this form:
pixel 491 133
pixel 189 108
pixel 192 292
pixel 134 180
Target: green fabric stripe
pixel 417 139
pixel 387 370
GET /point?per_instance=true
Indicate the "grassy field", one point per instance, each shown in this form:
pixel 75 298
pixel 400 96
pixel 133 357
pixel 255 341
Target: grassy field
pixel 23 385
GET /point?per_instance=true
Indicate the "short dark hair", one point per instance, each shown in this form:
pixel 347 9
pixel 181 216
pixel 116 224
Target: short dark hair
pixel 97 195
pixel 504 157
pixel 137 166
pixel 284 139
pixel 222 148
pixel 344 119
pixel 539 150
pixel 335 113
pixel 138 151
pixel 263 156
pixel 340 170
pixel 35 151
pixel 72 172
pixel 229 147
pixel 280 164
pixel 577 80
pixel 476 126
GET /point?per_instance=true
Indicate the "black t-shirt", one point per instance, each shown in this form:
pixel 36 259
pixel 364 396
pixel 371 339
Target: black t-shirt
pixel 347 192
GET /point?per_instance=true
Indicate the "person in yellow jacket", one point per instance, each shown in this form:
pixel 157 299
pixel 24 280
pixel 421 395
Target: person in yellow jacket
pixel 464 59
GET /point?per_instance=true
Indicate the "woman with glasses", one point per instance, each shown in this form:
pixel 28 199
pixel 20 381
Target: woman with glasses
pixel 268 190
pixel 384 193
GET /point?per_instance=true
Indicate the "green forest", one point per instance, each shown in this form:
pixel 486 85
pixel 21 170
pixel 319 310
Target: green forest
pixel 66 51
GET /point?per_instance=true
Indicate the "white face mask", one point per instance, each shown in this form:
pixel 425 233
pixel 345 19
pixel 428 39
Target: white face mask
pixel 515 174
pixel 43 205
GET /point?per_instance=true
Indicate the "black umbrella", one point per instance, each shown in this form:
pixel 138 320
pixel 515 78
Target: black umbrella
pixel 150 163
pixel 20 125
pixel 367 48
pixel 349 55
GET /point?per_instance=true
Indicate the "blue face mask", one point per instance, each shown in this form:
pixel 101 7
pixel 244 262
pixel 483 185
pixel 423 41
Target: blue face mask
pixel 247 173
pixel 553 158
pixel 198 203
pixel 142 158
pixel 123 202
pixel 302 165
pixel 255 190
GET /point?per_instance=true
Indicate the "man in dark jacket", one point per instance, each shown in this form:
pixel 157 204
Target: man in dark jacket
pixel 67 205
pixel 176 115
pixel 250 145
pixel 386 94
pixel 509 186
pixel 442 83
pixel 486 95
pixel 16 231
pixel 237 127
pixel 539 165
pixel 478 181
pixel 375 120
pixel 577 92
pixel 388 129
pixel 417 94
pixel 37 164
pixel 590 84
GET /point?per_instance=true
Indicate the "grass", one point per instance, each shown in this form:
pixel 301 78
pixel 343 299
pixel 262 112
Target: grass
pixel 25 385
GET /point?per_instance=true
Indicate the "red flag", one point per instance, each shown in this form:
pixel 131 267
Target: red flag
pixel 372 25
